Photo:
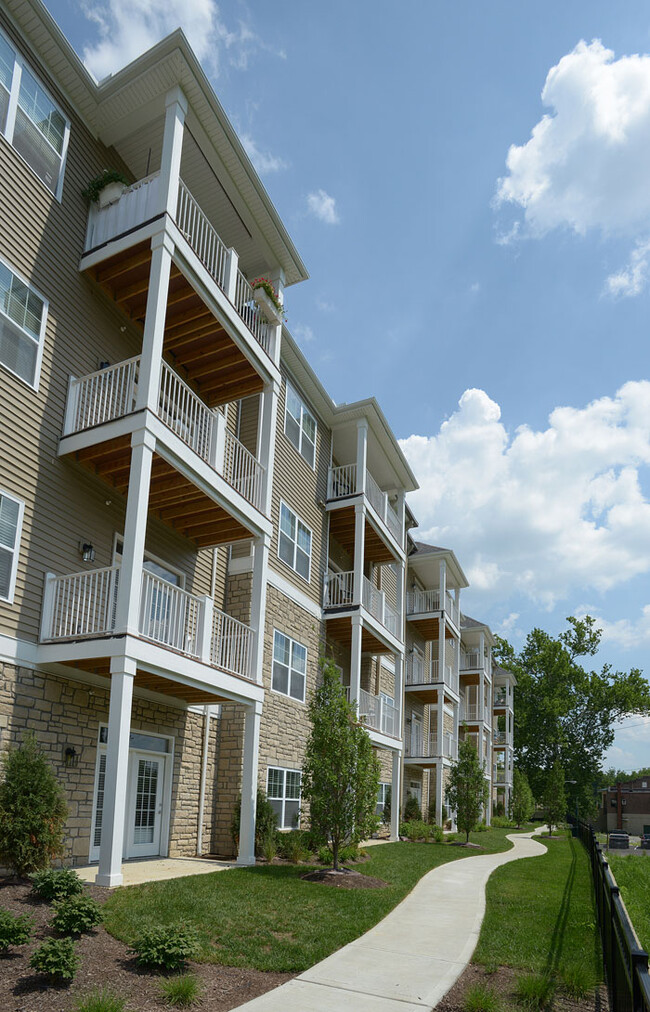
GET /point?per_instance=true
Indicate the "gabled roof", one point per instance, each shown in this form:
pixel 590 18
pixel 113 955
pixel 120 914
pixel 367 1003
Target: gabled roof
pixel 424 559
pixel 498 671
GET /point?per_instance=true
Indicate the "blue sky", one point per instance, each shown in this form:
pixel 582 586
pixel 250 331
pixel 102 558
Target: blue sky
pixel 498 306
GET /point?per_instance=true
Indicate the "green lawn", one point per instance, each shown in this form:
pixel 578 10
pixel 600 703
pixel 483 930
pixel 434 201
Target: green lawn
pixel 540 915
pixel 633 876
pixel 267 918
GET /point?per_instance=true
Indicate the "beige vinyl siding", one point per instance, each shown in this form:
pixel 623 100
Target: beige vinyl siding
pixel 303 489
pixel 249 409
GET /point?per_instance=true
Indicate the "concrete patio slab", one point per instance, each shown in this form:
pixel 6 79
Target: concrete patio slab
pixel 158 869
pixel 413 956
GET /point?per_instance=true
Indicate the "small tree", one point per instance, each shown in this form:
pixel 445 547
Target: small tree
pixel 412 811
pixel 32 810
pixel 523 803
pixel 467 790
pixel 340 772
pixel 554 800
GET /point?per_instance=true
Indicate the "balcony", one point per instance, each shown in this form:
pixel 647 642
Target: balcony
pixel 111 393
pixel 471 713
pixel 379 715
pixel 342 484
pixel 427 602
pixel 427 747
pixel 420 673
pixel 500 738
pixel 83 606
pixel 471 660
pixel 140 204
pixel 500 699
pixel 339 593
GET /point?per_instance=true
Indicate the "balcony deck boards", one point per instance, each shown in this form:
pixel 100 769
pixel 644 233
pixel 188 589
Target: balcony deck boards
pixel 154 683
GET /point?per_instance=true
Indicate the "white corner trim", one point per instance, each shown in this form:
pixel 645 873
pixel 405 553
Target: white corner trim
pixel 293 593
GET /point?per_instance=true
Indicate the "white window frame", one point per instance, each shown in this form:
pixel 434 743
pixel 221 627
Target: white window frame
pixel 292 642
pixel 9 599
pixel 303 410
pixel 118 539
pixel 281 533
pixel 41 337
pixel 8 134
pixel 284 770
pixel 383 790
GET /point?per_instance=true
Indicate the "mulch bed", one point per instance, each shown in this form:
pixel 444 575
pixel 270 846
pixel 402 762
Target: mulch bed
pixel 345 878
pixel 503 982
pixel 104 962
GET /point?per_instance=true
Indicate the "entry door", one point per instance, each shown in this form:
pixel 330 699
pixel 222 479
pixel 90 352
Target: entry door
pixel 416 736
pixel 146 776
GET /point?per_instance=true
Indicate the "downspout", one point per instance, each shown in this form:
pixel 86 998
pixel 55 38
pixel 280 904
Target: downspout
pixel 204 773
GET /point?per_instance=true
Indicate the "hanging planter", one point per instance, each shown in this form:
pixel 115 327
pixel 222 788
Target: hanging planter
pixel 106 189
pixel 267 299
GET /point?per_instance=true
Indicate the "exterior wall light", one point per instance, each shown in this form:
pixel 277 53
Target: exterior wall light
pixel 70 757
pixel 87 551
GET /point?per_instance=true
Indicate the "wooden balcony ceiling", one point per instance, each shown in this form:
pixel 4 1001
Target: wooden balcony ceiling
pixel 195 343
pixel 427 628
pixel 342 527
pixel 155 683
pixel 471 678
pixel 172 497
pixel 423 693
pixel 339 628
pixel 421 763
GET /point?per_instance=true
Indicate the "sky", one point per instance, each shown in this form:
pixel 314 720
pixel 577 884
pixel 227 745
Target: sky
pixel 469 186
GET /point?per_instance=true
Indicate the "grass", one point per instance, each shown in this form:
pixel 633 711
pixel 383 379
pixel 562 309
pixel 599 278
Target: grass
pixel 101 1000
pixel 540 916
pixel 632 874
pixel 480 998
pixel 180 992
pixel 268 919
pixel 534 991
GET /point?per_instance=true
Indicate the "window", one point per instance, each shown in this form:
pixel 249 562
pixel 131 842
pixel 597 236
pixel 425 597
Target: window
pixel 283 791
pixel 11 522
pixel 382 794
pixel 289 667
pixel 300 426
pixel 294 542
pixel 22 326
pixel 30 120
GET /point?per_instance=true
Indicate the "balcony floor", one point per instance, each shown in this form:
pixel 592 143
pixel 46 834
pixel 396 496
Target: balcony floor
pixel 195 341
pixel 154 683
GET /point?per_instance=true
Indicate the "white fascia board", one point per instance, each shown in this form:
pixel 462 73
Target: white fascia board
pixel 384 740
pixel 18 651
pixel 116 429
pixel 294 594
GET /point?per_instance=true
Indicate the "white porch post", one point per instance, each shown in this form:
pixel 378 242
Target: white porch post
pixel 277 279
pixel 172 149
pixel 359 552
pixel 439 797
pixel 258 603
pixel 362 454
pixel 252 721
pixel 395 795
pixel 154 324
pixel 127 617
pixel 117 766
pixel 399 689
pixel 355 657
pixel 266 429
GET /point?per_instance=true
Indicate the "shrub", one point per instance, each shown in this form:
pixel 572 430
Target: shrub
pixel 500 822
pixel 438 834
pixel 181 991
pixel 56 883
pixel 166 948
pixel 292 846
pixel 269 847
pixel 404 829
pixel 450 838
pixel 412 811
pixel 103 1000
pixel 481 998
pixel 324 855
pixel 534 991
pixel 350 853
pixel 76 914
pixel 481 828
pixel 32 810
pixel 431 811
pixel 500 809
pixel 15 929
pixel 266 821
pixel 56 957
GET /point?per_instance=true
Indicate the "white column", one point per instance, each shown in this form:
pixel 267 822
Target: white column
pixel 362 453
pixel 172 149
pixel 400 600
pixel 443 584
pixel 401 513
pixel 355 657
pixel 154 324
pixel 395 795
pixel 117 767
pixel 277 279
pixel 252 721
pixel 258 603
pixel 399 689
pixel 135 528
pixel 439 797
pixel 359 551
pixel 454 744
pixel 266 430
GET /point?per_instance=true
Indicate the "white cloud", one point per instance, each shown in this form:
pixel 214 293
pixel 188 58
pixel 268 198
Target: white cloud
pixel 540 513
pixel 264 161
pixel 127 28
pixel 323 207
pixel 585 164
pixel 303 333
pixel 628 633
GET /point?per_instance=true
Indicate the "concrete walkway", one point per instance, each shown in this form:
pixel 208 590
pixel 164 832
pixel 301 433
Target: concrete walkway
pixel 156 869
pixel 408 961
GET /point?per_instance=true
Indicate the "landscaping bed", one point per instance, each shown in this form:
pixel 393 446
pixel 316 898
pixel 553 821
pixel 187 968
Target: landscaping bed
pixel 632 875
pixel 502 983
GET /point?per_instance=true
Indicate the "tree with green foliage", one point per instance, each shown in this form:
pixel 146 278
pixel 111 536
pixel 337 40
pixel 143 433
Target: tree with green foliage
pixel 554 803
pixel 563 712
pixel 412 811
pixel 523 803
pixel 467 789
pixel 340 775
pixel 32 810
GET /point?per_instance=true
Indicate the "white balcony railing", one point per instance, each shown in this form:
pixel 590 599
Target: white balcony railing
pixel 420 673
pixel 379 502
pixel 378 714
pixel 471 711
pixel 446 748
pixel 452 609
pixel 418 746
pixel 499 737
pixel 82 605
pixel 500 699
pixel 374 601
pixel 342 481
pixel 108 394
pixel 339 590
pixel 422 602
pixel 339 593
pixel 140 202
pixel 470 659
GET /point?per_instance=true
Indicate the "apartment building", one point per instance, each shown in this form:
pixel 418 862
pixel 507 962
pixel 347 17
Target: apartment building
pixel 188 522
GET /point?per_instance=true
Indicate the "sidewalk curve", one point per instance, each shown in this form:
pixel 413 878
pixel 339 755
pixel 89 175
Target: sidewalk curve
pixel 408 961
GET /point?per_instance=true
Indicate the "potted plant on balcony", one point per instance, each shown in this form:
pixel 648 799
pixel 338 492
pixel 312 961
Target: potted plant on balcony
pixel 267 299
pixel 106 188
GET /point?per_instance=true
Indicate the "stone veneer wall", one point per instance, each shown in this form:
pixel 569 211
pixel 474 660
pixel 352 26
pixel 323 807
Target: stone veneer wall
pixel 64 713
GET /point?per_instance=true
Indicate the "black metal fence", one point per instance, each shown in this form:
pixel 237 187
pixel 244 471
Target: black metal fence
pixel 626 963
